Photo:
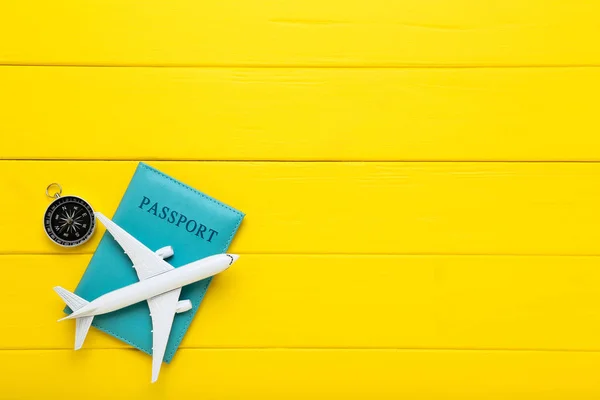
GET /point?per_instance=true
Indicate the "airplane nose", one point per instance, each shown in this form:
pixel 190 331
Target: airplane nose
pixel 233 257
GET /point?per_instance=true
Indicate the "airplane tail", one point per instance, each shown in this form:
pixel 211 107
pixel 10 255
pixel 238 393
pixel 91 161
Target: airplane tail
pixel 75 303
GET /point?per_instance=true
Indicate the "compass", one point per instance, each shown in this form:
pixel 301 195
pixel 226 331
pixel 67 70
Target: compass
pixel 69 221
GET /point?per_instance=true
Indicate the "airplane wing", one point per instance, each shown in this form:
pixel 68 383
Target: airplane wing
pixel 162 310
pixel 162 307
pixel 146 263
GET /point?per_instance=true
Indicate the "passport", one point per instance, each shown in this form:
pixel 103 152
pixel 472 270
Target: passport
pixel 159 211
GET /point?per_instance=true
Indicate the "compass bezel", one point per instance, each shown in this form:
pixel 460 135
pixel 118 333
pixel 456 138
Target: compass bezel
pixel 66 243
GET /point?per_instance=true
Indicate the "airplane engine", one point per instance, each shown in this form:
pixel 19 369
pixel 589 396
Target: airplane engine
pixel 165 252
pixel 183 306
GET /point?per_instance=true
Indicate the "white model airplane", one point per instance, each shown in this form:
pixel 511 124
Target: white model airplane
pixel 160 284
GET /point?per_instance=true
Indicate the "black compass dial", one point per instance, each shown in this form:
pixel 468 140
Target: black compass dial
pixel 69 221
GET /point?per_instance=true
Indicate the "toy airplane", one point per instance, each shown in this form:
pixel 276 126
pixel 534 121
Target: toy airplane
pixel 160 284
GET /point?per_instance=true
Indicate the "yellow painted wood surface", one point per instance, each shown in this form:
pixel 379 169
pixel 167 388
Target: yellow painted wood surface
pixel 500 114
pixel 311 32
pixel 339 207
pixel 298 374
pixel 406 302
pixel 420 183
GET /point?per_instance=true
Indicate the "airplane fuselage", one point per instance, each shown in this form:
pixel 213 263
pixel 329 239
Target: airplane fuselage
pixel 162 283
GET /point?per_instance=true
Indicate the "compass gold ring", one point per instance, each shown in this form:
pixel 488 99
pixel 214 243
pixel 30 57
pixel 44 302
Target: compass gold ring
pixel 57 191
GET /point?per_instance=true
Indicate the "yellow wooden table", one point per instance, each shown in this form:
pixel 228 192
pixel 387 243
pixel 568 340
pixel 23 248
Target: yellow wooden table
pixel 420 180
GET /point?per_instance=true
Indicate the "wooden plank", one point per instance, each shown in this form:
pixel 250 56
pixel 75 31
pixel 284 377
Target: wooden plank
pixel 376 32
pixel 299 374
pixel 394 208
pixel 292 301
pixel 300 114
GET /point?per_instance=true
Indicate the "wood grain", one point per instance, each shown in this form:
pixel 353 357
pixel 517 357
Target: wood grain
pixel 419 178
pixel 316 33
pixel 298 374
pixel 328 301
pixel 353 208
pixel 517 114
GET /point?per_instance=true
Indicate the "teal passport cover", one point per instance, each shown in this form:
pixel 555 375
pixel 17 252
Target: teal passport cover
pixel 159 211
